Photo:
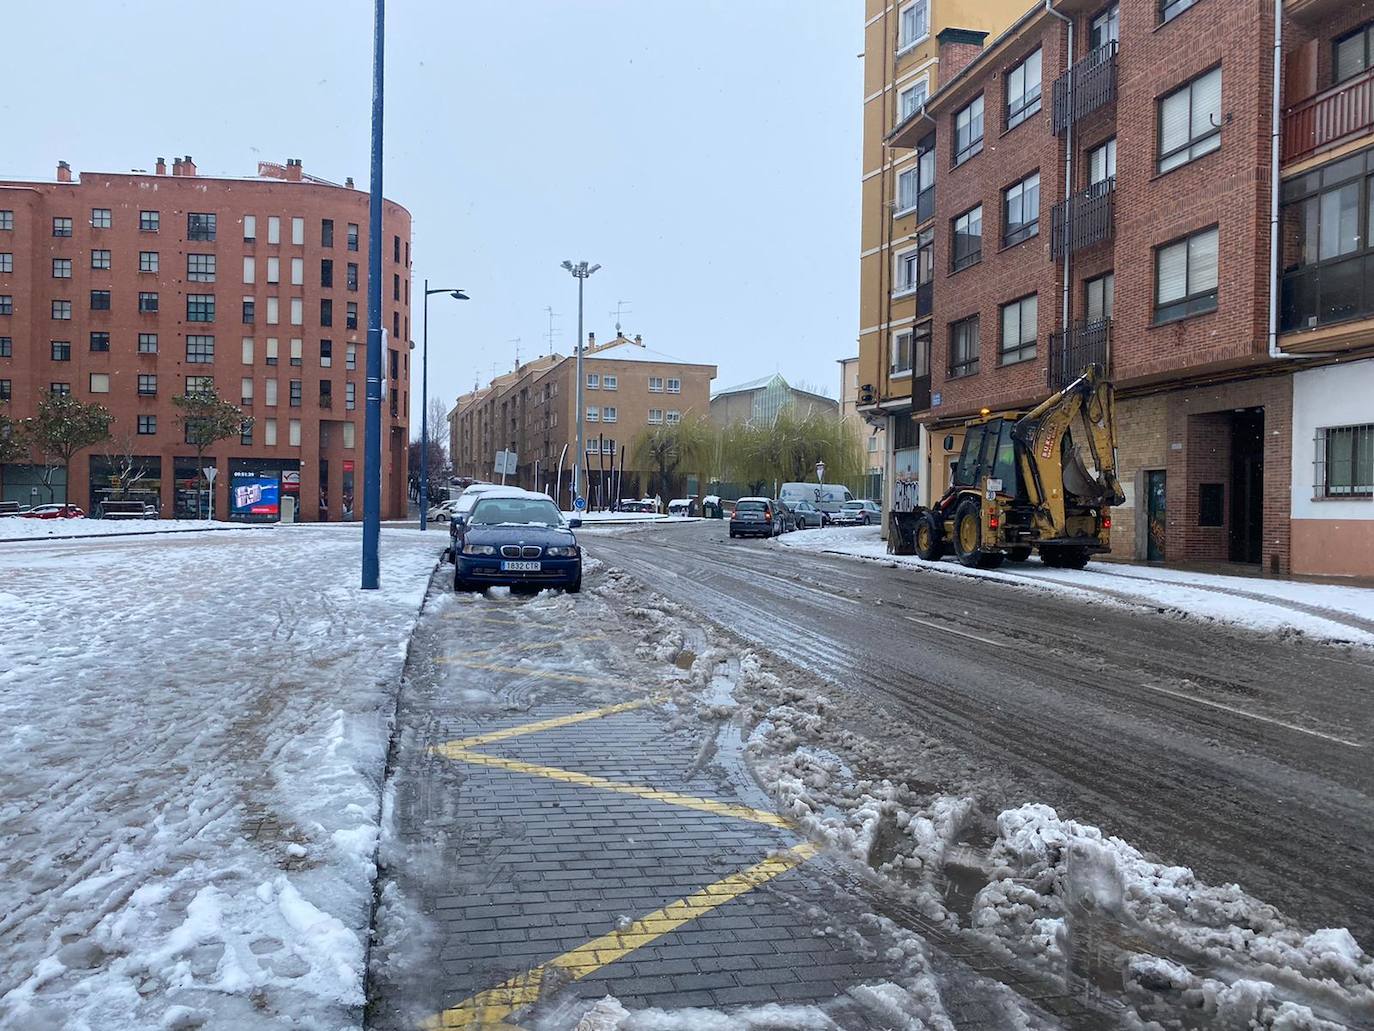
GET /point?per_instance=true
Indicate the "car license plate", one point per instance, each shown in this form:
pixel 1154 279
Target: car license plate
pixel 520 567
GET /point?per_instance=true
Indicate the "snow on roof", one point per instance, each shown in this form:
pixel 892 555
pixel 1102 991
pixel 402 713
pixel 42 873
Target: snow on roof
pixel 753 384
pixel 629 351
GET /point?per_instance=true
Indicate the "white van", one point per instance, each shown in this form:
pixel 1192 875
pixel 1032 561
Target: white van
pixel 828 497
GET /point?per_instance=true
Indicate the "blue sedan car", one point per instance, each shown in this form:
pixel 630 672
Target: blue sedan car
pixel 517 539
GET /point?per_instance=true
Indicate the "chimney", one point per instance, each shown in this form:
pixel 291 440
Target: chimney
pixel 176 166
pixel 161 166
pixel 64 172
pixel 958 48
pixel 348 183
pixel 188 167
pixel 639 340
pixel 293 170
pixel 591 340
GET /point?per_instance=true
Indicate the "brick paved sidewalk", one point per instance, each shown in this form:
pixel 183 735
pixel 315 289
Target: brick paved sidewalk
pixel 557 834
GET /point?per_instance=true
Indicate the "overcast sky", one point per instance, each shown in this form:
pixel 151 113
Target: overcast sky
pixel 705 153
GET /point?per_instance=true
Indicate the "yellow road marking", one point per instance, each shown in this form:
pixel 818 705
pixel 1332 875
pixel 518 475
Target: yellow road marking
pixel 548 724
pixel 543 674
pixel 490 1008
pixel 516 647
pixel 705 805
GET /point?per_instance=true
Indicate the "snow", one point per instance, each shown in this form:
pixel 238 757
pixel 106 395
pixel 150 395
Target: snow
pixel 1313 609
pixel 19 529
pixel 192 770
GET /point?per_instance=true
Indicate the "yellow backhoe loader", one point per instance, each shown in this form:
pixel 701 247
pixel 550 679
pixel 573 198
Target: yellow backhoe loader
pixel 1043 479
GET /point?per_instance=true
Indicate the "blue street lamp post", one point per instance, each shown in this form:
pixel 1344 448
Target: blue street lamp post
pixel 457 295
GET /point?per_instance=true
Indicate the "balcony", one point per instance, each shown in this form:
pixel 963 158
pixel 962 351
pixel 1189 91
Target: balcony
pixel 920 393
pixel 1344 112
pixel 1088 85
pixel 1084 220
pixel 1071 350
pixel 1319 296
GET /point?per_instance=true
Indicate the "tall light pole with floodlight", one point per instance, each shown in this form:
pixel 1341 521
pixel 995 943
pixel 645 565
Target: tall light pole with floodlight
pixel 457 295
pixel 580 272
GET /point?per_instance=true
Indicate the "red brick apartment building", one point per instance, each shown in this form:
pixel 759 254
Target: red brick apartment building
pixel 1102 186
pixel 123 288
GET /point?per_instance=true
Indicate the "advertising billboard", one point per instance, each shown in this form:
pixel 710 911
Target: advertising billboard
pixel 254 495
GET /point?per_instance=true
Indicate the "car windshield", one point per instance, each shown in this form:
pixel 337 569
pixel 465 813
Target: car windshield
pixel 521 511
pixel 750 506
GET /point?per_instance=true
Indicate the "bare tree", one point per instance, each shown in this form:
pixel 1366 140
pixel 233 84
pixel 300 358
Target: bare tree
pixel 207 419
pixel 126 467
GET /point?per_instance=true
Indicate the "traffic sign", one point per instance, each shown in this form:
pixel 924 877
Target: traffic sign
pixel 579 503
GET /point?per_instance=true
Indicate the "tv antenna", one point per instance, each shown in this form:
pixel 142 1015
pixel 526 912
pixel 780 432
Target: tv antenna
pixel 620 308
pixel 553 330
pixel 516 342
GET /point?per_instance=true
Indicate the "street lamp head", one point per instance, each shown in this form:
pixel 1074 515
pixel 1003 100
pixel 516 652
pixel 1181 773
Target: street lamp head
pixel 592 269
pixel 567 265
pixel 459 295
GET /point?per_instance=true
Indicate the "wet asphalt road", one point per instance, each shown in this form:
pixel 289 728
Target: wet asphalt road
pixel 1016 695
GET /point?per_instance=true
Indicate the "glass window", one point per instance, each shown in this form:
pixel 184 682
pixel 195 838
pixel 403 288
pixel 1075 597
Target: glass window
pixel 298 231
pixel 200 225
pixel 250 269
pixel 147 425
pixel 351 357
pixel 326 232
pixel 1186 276
pixel 6 304
pixel 655 415
pixel 326 353
pixel 100 341
pixel 966 471
pixel 59 389
pixel 326 312
pixel 247 350
pixel 6 347
pixel 6 390
pixel 1018 330
pixel 963 347
pixel 674 386
pixel 1106 27
pixel 147 384
pixel 269 432
pixel 270 392
pixel 100 300
pixel 100 383
pixel 908 270
pixel 297 271
pixel 100 259
pixel 593 413
pixel 1352 54
pixel 200 268
pixel 274 270
pixel 1345 455
pixel 913 24
pixel 900 363
pixel 148 221
pixel 655 384
pixel 62 268
pixel 326 272
pixel 350 396
pixel 200 307
pixel 147 343
pixel 1190 121
pixel 297 311
pixel 62 310
pixel 1021 210
pixel 910 99
pixel 1023 90
pixel 147 302
pixel 610 382
pixel 593 381
pixel 351 278
pixel 273 315
pixel 270 355
pixel 294 433
pixel 61 350
pixel 61 227
pixel 6 262
pixel 273 229
pixel 200 350
pixel 100 218
pixel 1098 297
pixel 298 351
pixel 352 236
pixel 1102 162
pixel 147 261
pixel 250 310
pixel 608 414
pixel 6 219
pixel 968 239
pixel 1170 9
pixel 250 228
pixel 968 131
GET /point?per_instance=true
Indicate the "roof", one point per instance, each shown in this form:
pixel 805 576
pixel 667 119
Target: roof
pixel 623 350
pixel 753 384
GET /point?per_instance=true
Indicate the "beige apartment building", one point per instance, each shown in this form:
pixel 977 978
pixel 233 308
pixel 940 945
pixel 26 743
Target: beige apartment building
pixel 902 44
pixel 532 410
pixel 873 433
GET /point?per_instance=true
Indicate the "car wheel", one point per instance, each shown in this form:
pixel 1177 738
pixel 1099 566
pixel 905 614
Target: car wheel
pixel 460 585
pixel 575 587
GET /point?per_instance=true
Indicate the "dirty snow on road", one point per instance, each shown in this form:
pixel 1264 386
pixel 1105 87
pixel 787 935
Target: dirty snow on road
pixel 1321 611
pixel 193 730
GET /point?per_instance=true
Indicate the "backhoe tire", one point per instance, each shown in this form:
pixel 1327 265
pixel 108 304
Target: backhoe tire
pixel 1064 557
pixel 930 543
pixel 1018 554
pixel 968 537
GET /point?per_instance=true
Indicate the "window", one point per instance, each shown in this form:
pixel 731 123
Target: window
pixel 351 276
pixel 6 304
pixel 350 396
pixel 149 221
pixel 1098 297
pixel 6 347
pixel 250 311
pixel 351 357
pixel 247 350
pixel 655 415
pixel 147 425
pixel 349 435
pixel 1023 90
pixel 1102 162
pixel 100 259
pixel 147 261
pixel 326 312
pixel 271 393
pixel 147 343
pixel 593 414
pixel 59 389
pixel 1186 276
pixel 100 300
pixel 1345 462
pixel 1021 210
pixel 352 239
pixel 326 353
pixel 272 313
pixel 899 363
pixel 100 218
pixel 274 270
pixel 1171 9
pixel 298 232
pixel 1190 121
pixel 100 383
pixel 297 311
pixel 100 342
pixel 351 315
pixel 200 225
pixel 7 219
pixel 6 390
pixel 608 415
pixel 909 100
pixel 1106 27
pixel 907 275
pixel 269 432
pixel 200 350
pixel 610 382
pixel 963 347
pixel 908 191
pixel 62 268
pixel 968 131
pixel 246 390
pixel 200 307
pixel 297 271
pixel 200 268
pixel 61 350
pixel 1018 330
pixel 297 349
pixel 593 381
pixel 674 386
pixel 326 394
pixel 1353 53
pixel 246 431
pixel 200 385
pixel 407 254
pixel 61 227
pixel 270 354
pixel 62 310
pixel 293 437
pixel 673 417
pixel 913 24
pixel 326 272
pixel 326 232
pixel 147 303
pixel 7 262
pixel 968 239
pixel 273 229
pixel 655 384
pixel 250 228
pixel 396 249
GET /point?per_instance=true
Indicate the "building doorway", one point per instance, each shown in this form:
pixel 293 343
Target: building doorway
pixel 1247 486
pixel 1155 522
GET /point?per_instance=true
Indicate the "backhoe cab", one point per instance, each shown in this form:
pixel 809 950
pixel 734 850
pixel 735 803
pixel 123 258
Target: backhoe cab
pixel 1043 479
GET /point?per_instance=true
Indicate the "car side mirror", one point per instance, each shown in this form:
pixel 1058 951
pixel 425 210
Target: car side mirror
pixel 574 523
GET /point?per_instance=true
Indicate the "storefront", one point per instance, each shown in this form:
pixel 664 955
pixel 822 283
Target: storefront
pixel 257 487
pixel 125 478
pixel 24 484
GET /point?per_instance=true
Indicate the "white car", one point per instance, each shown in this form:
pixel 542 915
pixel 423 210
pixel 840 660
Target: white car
pixel 442 509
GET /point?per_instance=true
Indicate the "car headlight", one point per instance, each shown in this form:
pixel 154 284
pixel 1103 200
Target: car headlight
pixel 478 549
pixel 560 551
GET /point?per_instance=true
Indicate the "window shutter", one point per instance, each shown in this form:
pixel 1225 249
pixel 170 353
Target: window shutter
pixel 1202 262
pixel 1011 324
pixel 1171 272
pixel 1206 106
pixel 1350 57
pixel 1173 121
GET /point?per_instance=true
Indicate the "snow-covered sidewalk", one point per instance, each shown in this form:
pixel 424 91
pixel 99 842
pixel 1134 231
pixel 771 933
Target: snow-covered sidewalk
pixel 193 730
pixel 19 529
pixel 1323 611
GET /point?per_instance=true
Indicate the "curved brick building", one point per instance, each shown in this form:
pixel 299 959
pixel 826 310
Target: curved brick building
pixel 121 287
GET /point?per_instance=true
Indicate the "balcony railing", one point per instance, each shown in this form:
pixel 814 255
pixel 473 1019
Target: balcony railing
pixel 1071 350
pixel 1341 113
pixel 1085 219
pixel 1089 84
pixel 1321 295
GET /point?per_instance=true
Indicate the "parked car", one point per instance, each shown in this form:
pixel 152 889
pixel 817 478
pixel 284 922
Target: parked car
pixel 858 513
pixel 442 509
pixel 459 508
pixel 828 497
pixel 128 510
pixel 786 517
pixel 637 505
pixel 683 507
pixel 518 539
pixel 755 517
pixel 55 512
pixel 809 515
